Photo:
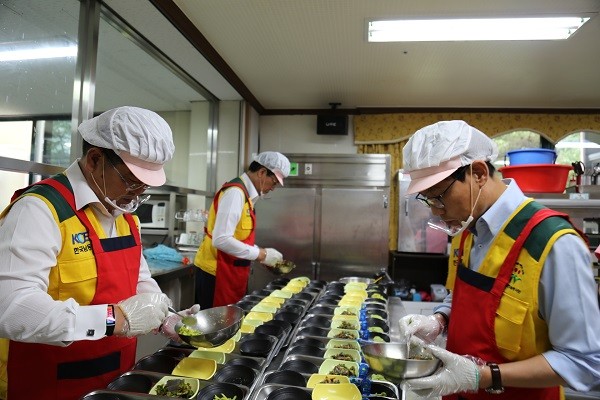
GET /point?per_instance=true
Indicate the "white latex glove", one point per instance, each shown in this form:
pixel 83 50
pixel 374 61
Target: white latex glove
pixel 457 374
pixel 272 257
pixel 426 327
pixel 168 325
pixel 145 312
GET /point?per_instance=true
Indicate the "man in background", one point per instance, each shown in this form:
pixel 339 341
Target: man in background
pixel 228 247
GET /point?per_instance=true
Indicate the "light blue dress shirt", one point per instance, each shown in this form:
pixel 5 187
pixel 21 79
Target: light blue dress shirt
pixel 568 299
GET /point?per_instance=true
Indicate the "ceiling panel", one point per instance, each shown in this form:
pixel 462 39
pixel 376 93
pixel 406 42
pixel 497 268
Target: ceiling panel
pixel 304 54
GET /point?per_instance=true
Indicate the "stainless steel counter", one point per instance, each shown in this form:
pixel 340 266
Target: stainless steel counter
pixel 176 280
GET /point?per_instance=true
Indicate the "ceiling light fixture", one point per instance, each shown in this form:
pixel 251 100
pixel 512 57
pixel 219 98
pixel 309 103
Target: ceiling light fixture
pixel 33 50
pixel 465 29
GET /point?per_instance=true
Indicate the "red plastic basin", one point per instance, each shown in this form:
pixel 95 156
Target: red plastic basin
pixel 539 178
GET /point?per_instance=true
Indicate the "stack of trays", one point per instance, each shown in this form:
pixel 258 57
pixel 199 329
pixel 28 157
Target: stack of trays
pixel 282 303
pixel 222 370
pixel 324 358
pixel 231 369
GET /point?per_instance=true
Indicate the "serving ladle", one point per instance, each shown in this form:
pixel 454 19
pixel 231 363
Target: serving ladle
pixel 188 320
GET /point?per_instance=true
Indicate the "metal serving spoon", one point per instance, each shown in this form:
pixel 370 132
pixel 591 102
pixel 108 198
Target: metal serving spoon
pixel 186 319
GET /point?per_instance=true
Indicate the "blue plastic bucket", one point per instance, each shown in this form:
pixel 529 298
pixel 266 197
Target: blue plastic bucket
pixel 531 156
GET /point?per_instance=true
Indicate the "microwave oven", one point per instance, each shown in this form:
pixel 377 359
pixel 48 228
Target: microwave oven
pixel 153 214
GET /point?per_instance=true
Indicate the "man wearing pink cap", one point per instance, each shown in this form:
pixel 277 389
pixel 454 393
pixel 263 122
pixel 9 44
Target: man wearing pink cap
pixel 522 318
pixel 228 247
pixel 75 289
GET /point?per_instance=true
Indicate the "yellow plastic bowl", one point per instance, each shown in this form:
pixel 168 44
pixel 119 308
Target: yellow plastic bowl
pixel 342 391
pixel 317 379
pixel 201 368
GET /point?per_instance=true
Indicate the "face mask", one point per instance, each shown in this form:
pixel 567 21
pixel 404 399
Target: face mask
pixel 441 225
pixel 261 193
pixel 127 208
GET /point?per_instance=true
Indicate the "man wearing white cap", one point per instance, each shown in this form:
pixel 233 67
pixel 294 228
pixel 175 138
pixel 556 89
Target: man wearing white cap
pixel 75 289
pixel 523 304
pixel 228 247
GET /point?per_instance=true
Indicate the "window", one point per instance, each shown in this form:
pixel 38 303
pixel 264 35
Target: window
pixel 579 146
pixel 518 140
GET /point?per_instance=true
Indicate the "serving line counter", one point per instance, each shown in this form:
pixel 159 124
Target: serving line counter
pixel 176 279
pixel 244 362
pixel 292 338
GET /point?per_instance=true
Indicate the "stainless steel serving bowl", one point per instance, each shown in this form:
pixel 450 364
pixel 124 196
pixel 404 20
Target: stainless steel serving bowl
pixel 391 361
pixel 350 279
pixel 214 326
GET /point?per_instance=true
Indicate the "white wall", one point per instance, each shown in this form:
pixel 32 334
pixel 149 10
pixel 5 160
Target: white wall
pixel 228 143
pixel 298 134
pixel 177 169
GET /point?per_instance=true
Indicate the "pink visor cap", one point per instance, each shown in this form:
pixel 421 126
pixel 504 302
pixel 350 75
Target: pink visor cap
pixel 140 137
pixel 434 152
pixel 276 163
pixel 423 179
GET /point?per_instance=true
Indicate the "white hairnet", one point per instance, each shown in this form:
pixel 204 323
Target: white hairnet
pixel 437 150
pixel 142 139
pixel 276 163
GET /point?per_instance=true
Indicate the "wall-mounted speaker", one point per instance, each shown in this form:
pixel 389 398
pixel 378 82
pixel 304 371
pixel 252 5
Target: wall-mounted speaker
pixel 332 124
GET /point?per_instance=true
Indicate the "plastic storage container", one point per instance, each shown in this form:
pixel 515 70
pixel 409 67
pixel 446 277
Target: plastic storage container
pixel 531 156
pixel 539 178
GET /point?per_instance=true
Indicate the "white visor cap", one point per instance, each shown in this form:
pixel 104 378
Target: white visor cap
pixel 276 163
pixel 434 152
pixel 142 139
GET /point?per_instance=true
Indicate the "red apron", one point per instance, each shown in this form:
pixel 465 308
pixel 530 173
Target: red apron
pixel 231 278
pixel 471 327
pixel 40 371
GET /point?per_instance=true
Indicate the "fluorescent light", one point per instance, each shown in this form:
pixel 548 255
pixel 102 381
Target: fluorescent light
pixel 33 51
pixel 434 30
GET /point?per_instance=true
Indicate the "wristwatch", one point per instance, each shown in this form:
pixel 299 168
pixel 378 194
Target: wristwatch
pixel 496 387
pixel 110 319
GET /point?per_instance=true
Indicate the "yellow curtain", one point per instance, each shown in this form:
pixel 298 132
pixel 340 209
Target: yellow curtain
pixel 392 128
pixel 388 133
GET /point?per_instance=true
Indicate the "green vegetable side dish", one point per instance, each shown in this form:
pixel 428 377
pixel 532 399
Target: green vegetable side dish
pixel 378 377
pixel 223 397
pixel 187 331
pixel 175 388
pixel 284 266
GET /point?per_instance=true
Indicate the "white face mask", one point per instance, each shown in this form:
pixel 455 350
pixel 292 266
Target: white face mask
pixel 441 225
pixel 127 208
pixel 262 194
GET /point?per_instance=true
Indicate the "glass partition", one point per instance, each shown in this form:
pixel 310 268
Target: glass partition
pixel 38 48
pixel 37 88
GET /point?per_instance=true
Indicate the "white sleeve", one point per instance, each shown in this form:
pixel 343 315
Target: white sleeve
pixel 228 216
pixel 29 243
pixel 146 284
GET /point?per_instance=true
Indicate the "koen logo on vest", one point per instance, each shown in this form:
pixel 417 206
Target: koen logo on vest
pixel 79 238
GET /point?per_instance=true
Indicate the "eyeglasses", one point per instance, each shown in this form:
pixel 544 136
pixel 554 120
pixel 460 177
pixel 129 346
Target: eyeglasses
pixel 436 201
pixel 130 187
